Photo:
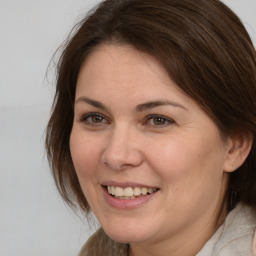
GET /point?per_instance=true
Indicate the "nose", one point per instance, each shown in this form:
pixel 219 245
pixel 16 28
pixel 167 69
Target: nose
pixel 122 150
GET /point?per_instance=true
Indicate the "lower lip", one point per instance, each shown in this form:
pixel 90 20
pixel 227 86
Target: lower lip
pixel 127 203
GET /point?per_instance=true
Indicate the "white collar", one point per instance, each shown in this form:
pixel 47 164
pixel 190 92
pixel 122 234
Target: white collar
pixel 234 236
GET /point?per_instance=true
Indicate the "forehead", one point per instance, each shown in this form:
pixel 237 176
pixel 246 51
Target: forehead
pixel 121 67
pixel 112 57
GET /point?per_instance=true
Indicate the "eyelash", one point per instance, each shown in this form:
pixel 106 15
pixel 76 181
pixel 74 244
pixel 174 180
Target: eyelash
pixel 167 121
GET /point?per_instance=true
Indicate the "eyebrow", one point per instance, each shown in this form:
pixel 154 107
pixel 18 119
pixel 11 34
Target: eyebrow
pixel 158 103
pixel 139 108
pixel 91 102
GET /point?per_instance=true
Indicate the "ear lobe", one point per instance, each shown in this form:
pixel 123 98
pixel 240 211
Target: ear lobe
pixel 239 148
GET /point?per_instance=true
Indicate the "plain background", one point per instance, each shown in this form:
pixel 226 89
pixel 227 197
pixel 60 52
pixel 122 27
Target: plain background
pixel 33 218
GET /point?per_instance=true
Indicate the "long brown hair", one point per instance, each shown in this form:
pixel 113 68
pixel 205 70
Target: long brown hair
pixel 206 51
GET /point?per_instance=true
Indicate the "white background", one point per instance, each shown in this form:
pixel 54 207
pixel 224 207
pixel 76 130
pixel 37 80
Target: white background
pixel 33 219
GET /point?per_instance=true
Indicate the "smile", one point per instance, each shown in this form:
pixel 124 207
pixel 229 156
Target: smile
pixel 129 193
pixel 128 196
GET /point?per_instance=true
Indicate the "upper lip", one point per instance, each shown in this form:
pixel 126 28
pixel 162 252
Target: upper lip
pixel 126 184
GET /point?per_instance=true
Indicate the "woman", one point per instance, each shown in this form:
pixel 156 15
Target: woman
pixel 153 128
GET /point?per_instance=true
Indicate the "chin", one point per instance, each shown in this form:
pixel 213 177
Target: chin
pixel 127 234
pixel 125 238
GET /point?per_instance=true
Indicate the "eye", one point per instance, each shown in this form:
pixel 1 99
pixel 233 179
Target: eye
pixel 93 119
pixel 158 120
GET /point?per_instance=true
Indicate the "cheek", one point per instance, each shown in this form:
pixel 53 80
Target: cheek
pixel 186 161
pixel 170 158
pixel 85 154
pixel 191 174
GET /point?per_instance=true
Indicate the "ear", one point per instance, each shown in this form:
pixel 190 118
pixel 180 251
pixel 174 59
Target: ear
pixel 239 147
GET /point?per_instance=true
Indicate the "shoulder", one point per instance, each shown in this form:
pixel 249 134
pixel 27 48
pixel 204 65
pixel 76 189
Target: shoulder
pixel 100 244
pixel 236 236
pixel 238 233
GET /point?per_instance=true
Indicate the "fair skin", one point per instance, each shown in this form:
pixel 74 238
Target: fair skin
pixel 132 128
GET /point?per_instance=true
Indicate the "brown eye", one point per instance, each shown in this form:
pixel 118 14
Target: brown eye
pixel 93 119
pixel 96 119
pixel 158 121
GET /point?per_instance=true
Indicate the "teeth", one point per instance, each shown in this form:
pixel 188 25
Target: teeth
pixel 144 191
pixel 137 191
pixel 125 197
pixel 118 191
pixel 150 190
pixel 129 193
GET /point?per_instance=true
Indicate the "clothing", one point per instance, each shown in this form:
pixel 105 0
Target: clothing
pixel 235 237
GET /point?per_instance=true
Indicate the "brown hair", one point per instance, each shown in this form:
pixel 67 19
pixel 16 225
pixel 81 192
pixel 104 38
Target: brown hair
pixel 206 51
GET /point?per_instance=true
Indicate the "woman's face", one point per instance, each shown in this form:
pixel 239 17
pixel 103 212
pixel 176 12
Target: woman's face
pixel 138 136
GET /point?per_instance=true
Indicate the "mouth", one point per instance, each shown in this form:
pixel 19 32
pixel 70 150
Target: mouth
pixel 129 193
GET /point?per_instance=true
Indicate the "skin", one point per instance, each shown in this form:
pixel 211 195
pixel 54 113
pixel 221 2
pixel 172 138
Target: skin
pixel 182 154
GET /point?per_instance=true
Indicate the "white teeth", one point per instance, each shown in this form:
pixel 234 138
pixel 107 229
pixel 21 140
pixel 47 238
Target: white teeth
pixel 129 193
pixel 118 191
pixel 150 190
pixel 137 191
pixel 144 191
